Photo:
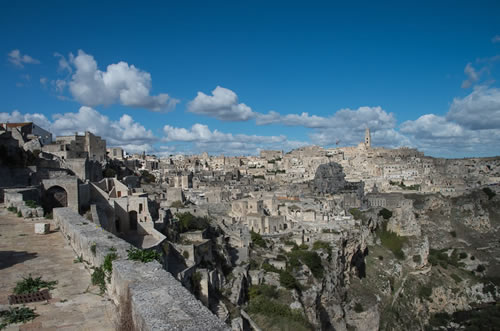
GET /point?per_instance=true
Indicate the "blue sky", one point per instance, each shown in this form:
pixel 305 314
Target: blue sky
pixel 420 74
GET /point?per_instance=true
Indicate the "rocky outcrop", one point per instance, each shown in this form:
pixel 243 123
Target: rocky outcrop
pixel 330 179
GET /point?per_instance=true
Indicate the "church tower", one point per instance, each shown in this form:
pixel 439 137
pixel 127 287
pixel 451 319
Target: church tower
pixel 368 138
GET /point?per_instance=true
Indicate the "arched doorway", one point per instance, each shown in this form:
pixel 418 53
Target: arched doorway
pixel 132 215
pixel 55 197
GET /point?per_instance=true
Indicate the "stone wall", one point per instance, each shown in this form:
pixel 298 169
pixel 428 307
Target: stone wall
pixel 149 296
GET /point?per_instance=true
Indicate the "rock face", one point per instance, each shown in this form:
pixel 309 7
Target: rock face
pixel 330 179
pixel 239 286
pixel 404 222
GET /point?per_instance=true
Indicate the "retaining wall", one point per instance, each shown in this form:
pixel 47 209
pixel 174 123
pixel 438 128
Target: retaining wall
pixel 147 296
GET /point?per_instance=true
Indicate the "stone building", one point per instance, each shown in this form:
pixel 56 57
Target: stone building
pixel 76 146
pixel 29 130
pixel 115 153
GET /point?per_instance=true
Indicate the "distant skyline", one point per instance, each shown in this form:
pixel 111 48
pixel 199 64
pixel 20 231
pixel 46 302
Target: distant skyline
pixel 235 77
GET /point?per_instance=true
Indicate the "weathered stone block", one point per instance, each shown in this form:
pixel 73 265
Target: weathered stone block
pixel 39 212
pixel 42 228
pixel 26 212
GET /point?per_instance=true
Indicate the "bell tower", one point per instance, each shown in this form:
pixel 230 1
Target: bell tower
pixel 368 138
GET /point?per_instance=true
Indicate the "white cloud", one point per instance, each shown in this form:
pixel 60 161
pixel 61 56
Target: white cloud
pixel 120 83
pixel 17 117
pixel 373 117
pixel 438 136
pixel 432 127
pixel 346 126
pixel 43 81
pixel 63 63
pixel 215 141
pixel 125 132
pixel 472 76
pixel 478 110
pixel 222 104
pixel 15 57
pixel 471 126
pixel 495 39
pixel 59 85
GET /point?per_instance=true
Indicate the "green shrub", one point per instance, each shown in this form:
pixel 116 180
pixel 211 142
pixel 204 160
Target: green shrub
pixel 489 193
pixel 143 255
pixel 425 292
pixel 185 254
pixel 93 248
pixel 462 255
pixel 12 209
pixel 257 239
pixel 147 177
pixel 107 266
pixel 31 204
pixel 288 281
pixel 49 216
pixel 269 291
pixel 391 241
pixel 16 315
pixel 19 214
pixel 189 222
pixel 385 213
pixel 271 308
pixel 440 257
pixel 98 278
pixel 456 278
pixel 253 265
pixel 317 245
pixel 269 267
pixel 311 259
pixel 32 285
pixel 356 213
pixel 79 259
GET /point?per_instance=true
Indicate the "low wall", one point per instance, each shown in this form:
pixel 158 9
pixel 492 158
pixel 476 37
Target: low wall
pixel 148 297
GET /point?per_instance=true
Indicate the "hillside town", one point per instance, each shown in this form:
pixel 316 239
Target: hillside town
pixel 326 238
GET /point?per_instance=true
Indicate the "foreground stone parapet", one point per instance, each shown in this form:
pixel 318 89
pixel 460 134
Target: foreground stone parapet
pixel 157 301
pixel 148 297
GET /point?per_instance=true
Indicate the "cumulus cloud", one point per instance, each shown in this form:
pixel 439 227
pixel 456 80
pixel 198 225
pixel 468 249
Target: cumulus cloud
pixel 373 117
pixel 17 117
pixel 16 58
pixel 223 104
pixel 215 141
pixel 120 83
pixel 478 110
pixel 432 127
pixel 125 132
pixel 471 126
pixel 344 127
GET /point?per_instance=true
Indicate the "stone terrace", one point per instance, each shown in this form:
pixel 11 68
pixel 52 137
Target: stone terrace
pixel 75 304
